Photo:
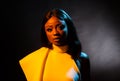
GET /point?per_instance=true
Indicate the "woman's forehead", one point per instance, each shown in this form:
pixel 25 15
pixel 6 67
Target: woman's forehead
pixel 53 20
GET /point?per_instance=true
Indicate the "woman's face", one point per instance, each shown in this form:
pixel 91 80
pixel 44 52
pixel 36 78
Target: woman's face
pixel 56 31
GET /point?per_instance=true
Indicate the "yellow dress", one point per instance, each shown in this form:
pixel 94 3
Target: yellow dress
pixel 56 66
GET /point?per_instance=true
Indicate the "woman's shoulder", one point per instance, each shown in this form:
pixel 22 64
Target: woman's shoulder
pixel 83 60
pixel 39 52
pixel 84 55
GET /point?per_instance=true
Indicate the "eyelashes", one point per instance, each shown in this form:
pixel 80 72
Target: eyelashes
pixel 49 29
pixel 59 27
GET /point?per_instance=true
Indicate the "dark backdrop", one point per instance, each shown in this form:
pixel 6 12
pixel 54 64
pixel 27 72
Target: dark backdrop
pixel 97 25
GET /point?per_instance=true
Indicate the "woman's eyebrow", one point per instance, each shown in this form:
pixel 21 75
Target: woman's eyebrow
pixel 48 26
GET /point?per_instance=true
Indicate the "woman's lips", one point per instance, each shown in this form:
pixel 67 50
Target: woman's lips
pixel 56 39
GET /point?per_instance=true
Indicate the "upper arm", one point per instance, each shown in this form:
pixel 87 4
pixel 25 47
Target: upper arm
pixel 85 66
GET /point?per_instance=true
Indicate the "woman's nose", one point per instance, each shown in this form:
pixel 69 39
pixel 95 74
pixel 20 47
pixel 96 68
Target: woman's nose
pixel 55 32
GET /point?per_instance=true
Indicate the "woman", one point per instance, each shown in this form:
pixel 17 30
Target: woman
pixel 60 57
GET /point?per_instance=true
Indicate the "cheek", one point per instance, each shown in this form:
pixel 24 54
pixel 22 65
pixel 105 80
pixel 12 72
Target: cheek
pixel 64 33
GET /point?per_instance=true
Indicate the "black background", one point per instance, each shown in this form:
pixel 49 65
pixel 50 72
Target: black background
pixel 97 25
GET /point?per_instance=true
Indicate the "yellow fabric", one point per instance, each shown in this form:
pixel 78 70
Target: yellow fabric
pixel 32 64
pixel 59 65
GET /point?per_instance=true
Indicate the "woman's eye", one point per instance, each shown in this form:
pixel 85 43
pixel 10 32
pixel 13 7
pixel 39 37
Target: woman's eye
pixel 49 29
pixel 61 27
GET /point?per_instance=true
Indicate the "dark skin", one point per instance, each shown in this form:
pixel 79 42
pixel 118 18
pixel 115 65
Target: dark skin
pixel 56 31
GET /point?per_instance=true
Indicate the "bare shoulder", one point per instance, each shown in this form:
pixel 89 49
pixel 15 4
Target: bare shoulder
pixel 83 55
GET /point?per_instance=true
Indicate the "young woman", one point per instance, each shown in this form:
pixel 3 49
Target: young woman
pixel 60 58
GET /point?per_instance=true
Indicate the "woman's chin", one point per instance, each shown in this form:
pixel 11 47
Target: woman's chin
pixel 59 44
